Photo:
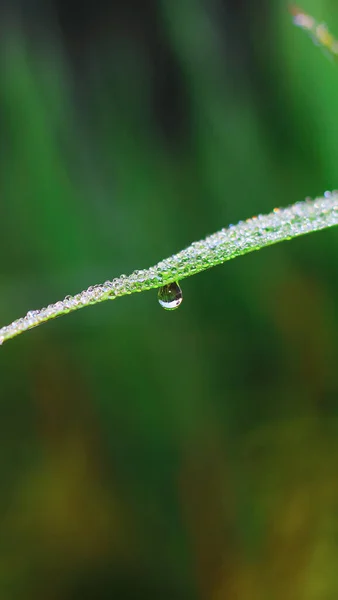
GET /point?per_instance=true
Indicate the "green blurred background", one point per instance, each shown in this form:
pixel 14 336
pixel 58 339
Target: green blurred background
pixel 148 454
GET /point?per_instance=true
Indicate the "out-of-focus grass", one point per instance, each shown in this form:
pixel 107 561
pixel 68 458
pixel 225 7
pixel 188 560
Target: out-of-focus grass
pixel 146 454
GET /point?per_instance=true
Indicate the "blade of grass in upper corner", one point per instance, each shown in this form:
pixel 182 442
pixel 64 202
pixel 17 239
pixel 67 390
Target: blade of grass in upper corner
pixel 318 32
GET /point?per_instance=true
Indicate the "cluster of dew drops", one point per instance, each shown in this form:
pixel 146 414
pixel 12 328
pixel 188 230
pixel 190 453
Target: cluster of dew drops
pixel 254 233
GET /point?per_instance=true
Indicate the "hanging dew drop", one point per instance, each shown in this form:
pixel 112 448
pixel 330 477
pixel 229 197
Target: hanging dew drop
pixel 170 296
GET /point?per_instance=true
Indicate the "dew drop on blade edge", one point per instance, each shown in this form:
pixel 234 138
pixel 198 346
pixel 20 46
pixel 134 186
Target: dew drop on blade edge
pixel 170 296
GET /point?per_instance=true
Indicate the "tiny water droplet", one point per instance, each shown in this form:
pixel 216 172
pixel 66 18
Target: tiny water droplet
pixel 170 296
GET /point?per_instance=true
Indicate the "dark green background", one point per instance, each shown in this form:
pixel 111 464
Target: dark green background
pixel 153 454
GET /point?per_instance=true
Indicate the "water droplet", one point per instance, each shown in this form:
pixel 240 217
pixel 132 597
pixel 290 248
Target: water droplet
pixel 170 296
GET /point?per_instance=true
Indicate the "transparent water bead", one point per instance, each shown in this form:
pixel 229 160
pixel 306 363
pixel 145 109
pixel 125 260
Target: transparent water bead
pixel 170 296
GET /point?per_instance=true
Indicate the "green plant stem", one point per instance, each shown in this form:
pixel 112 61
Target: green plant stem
pixel 246 236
